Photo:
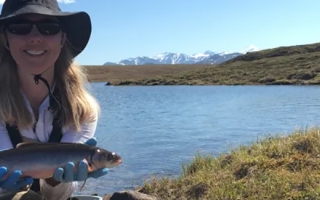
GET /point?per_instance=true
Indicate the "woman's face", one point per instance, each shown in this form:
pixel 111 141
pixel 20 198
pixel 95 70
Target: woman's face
pixel 35 50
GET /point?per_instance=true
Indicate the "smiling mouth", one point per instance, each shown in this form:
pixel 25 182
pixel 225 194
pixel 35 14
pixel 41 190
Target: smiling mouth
pixel 35 53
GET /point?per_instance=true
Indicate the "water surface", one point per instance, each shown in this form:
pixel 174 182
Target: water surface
pixel 157 128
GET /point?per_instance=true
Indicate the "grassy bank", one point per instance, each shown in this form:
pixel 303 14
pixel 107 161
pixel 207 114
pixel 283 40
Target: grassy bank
pixel 121 74
pixel 296 65
pixel 273 168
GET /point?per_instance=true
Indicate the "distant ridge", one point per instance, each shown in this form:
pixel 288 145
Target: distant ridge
pixel 208 57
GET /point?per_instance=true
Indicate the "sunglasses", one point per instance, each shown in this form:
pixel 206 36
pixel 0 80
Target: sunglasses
pixel 25 27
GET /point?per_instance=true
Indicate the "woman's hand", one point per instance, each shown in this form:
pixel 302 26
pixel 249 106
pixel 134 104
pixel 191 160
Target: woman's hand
pixel 82 174
pixel 13 182
pixel 68 175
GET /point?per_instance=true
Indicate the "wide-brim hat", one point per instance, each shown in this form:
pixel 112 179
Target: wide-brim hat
pixel 76 25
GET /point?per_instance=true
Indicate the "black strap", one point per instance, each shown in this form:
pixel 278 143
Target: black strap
pixel 14 134
pixel 55 135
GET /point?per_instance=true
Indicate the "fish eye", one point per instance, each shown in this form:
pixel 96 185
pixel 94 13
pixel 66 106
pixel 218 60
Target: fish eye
pixel 110 156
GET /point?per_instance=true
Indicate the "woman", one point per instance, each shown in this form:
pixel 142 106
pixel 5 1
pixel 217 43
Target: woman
pixel 42 94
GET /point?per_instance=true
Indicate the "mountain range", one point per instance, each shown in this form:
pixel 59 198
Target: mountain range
pixel 208 57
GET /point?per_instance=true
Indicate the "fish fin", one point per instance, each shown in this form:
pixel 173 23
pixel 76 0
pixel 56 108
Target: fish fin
pixel 29 143
pixel 25 144
pixel 90 167
pixel 83 185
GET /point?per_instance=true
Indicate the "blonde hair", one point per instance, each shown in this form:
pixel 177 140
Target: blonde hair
pixel 78 105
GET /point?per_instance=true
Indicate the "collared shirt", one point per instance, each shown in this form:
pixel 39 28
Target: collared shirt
pixel 42 132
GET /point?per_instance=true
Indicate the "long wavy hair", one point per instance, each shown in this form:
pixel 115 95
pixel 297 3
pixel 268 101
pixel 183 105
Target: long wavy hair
pixel 78 105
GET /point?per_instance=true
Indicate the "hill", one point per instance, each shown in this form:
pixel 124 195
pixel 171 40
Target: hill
pixel 298 64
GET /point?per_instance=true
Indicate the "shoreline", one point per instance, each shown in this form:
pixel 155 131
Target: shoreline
pixel 278 166
pixel 281 166
pixel 117 74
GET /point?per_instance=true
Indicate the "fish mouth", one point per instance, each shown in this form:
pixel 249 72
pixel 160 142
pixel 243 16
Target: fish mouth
pixel 116 159
pixel 115 162
pixel 119 161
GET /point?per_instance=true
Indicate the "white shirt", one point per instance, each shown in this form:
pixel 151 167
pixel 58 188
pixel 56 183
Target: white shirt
pixel 43 131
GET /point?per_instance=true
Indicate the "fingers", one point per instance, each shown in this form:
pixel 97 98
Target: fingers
pixel 82 171
pixel 91 142
pixel 99 173
pixel 3 171
pixel 69 172
pixel 65 175
pixel 23 182
pixel 12 179
pixel 12 182
pixel 58 174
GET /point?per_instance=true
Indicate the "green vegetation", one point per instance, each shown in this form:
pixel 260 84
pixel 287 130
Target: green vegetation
pixel 277 167
pixel 298 65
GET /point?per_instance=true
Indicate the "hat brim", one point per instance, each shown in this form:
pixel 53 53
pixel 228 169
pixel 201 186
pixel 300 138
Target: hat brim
pixel 77 25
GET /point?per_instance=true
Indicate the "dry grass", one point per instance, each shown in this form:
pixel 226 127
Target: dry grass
pixel 275 168
pixel 116 74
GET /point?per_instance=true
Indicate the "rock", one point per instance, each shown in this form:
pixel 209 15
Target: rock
pixel 198 191
pixel 128 195
pixel 266 80
pixel 302 76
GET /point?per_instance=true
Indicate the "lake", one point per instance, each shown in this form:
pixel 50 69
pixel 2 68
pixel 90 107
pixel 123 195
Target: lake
pixel 157 128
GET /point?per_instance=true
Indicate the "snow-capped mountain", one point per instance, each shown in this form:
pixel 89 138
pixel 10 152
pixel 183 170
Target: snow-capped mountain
pixel 208 57
pixel 218 58
pixel 250 48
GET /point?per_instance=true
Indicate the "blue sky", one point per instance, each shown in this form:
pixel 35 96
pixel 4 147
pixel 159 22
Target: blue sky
pixel 128 28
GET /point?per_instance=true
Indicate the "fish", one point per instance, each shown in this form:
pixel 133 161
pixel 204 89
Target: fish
pixel 40 160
